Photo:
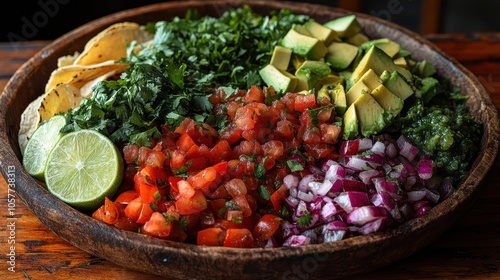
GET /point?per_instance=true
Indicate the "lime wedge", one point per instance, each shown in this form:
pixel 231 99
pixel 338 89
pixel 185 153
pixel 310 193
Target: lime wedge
pixel 84 167
pixel 40 144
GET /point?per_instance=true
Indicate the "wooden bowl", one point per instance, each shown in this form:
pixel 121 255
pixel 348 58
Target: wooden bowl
pixel 177 260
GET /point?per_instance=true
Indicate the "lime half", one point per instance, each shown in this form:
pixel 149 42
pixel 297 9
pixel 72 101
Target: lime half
pixel 40 144
pixel 84 167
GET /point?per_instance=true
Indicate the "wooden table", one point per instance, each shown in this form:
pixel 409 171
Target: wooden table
pixel 470 249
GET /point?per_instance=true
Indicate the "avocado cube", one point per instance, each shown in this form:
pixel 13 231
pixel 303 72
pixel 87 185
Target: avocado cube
pixel 429 88
pixel 356 91
pixel 378 61
pixel 396 84
pixel 371 79
pixel 281 81
pixel 425 69
pixel 321 32
pixel 337 94
pixel 312 72
pixel 329 80
pixel 357 39
pixel 387 100
pixel 346 26
pixel 303 45
pixel 371 115
pixel 350 124
pixel 401 62
pixel 281 57
pixel 340 55
pixel 390 47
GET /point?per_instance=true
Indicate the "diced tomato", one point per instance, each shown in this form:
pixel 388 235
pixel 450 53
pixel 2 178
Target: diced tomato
pixel 107 213
pixel 304 102
pixel 330 133
pixel 242 203
pixel 221 167
pixel 254 94
pixel 202 179
pixel 273 149
pixel 285 129
pixel 130 153
pixel 125 223
pixel 186 125
pixel 143 155
pixel 278 197
pixel 185 143
pixel 238 238
pixel 177 160
pixel 127 196
pixel 157 226
pixel 194 204
pixel 231 134
pixel 319 150
pixel 156 159
pixel 220 152
pixel 210 237
pixel 266 227
pixel 236 187
pixel 138 211
pixel 185 189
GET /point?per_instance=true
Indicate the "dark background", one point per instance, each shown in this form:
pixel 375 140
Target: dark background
pixel 50 19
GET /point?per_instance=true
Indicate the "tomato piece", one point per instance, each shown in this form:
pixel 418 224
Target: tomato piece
pixel 130 153
pixel 186 125
pixel 266 227
pixel 156 159
pixel 218 207
pixel 185 143
pixel 203 179
pixel 185 189
pixel 231 108
pixel 312 136
pixel 304 102
pixel 273 149
pixel 177 160
pixel 127 196
pixel 278 198
pixel 319 150
pixel 133 209
pixel 221 168
pixel 157 226
pixel 220 152
pixel 125 223
pixel 146 188
pixel 254 94
pixel 242 202
pixel 236 187
pixel 329 133
pixel 191 205
pixel 143 155
pixel 245 118
pixel 231 134
pixel 210 237
pixel 238 238
pixel 285 129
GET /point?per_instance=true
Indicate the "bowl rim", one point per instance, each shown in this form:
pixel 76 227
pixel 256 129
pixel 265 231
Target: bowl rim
pixel 29 195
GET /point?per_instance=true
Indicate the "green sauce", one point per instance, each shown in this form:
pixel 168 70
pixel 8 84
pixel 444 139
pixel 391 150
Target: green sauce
pixel 444 129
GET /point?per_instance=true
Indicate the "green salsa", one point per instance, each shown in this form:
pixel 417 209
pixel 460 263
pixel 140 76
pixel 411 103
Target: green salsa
pixel 444 129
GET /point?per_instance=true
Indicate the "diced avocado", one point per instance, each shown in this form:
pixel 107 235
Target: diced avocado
pixel 337 94
pixel 302 30
pixel 321 32
pixel 370 115
pixel 396 84
pixel 323 97
pixel 282 81
pixel 387 100
pixel 297 61
pixel 303 45
pixel 401 62
pixel 281 58
pixel 346 26
pixel 340 55
pixel 313 71
pixel 356 91
pixel 351 126
pixel 347 78
pixel 425 69
pixel 301 84
pixel 329 80
pixel 357 39
pixel 371 80
pixel 403 53
pixel 429 88
pixel 378 61
pixel 390 47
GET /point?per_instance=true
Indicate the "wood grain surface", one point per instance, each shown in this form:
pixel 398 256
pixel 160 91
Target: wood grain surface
pixel 470 249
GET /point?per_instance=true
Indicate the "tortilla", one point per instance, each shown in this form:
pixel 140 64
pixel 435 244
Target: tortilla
pixel 30 119
pixel 59 99
pixel 67 60
pixel 78 75
pixel 111 43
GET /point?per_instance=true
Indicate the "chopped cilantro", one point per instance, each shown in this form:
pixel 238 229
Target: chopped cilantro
pixel 263 192
pixel 294 165
pixel 305 220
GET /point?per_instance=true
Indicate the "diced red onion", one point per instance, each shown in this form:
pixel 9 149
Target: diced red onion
pixel 416 195
pixel 365 214
pixel 291 181
pixel 406 149
pixel 297 240
pixel 350 200
pixel 425 169
pixel 375 225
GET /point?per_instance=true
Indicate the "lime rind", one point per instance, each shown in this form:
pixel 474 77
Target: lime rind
pixel 40 144
pixel 83 168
